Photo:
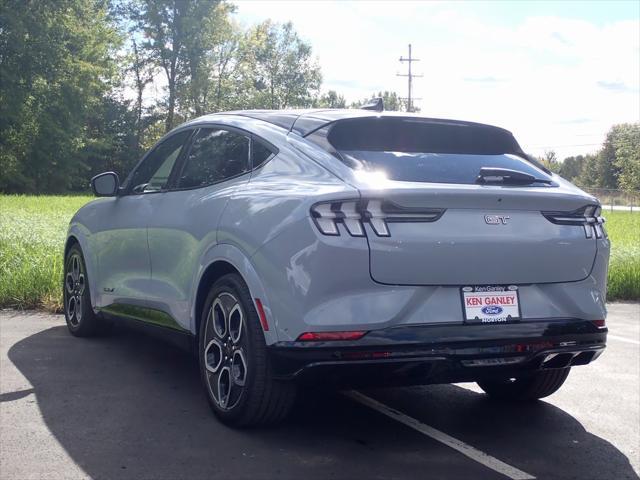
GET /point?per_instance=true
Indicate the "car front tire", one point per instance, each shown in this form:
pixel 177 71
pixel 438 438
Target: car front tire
pixel 234 362
pixel 81 320
pixel 539 384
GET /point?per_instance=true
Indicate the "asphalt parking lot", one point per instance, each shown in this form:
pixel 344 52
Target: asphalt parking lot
pixel 128 406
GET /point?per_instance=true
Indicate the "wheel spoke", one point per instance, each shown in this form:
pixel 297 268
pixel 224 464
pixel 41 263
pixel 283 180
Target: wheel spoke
pixel 213 355
pixel 219 319
pixel 235 324
pixel 69 283
pixel 225 386
pixel 78 309
pixel 238 368
pixel 75 267
pixel 81 284
pixel 71 309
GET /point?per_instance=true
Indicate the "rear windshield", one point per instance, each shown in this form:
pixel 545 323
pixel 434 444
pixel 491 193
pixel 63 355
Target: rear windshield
pixel 434 167
pixel 415 150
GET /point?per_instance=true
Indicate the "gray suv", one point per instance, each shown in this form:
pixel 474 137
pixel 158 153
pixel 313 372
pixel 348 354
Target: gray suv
pixel 344 247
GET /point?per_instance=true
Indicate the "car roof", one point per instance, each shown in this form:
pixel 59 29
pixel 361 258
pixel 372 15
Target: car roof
pixel 306 121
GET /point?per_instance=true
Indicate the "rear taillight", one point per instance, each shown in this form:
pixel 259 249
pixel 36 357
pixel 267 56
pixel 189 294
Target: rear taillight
pixel 599 323
pixel 587 217
pixel 331 336
pixel 353 214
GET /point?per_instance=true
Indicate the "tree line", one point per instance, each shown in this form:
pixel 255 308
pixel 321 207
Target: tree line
pixel 615 166
pixel 89 85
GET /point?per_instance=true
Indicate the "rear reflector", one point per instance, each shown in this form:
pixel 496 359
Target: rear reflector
pixel 329 336
pixel 599 323
pixel 261 315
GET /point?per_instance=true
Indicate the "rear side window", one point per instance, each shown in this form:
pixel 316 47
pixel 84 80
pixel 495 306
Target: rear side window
pixel 260 153
pixel 215 155
pixel 415 150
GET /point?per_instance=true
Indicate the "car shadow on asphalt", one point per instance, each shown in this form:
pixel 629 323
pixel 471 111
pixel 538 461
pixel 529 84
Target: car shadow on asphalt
pixel 129 406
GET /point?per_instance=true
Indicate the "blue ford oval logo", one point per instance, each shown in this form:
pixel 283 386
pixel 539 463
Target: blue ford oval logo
pixel 492 310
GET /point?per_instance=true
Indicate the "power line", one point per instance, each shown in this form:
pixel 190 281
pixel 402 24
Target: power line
pixel 561 146
pixel 410 76
pixel 625 144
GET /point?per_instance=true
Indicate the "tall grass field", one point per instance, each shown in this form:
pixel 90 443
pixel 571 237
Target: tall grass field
pixel 33 230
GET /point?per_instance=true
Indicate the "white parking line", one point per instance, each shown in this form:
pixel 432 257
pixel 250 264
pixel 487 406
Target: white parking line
pixel 622 339
pixel 471 452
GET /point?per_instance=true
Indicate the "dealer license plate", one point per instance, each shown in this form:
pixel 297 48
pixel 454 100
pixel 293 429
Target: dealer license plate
pixel 491 304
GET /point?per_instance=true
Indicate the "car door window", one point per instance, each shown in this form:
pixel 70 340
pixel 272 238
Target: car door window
pixel 215 155
pixel 153 173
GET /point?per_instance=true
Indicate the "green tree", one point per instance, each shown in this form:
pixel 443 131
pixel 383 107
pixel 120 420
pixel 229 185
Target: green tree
pixel 111 143
pixel 225 66
pixel 617 163
pixel 143 74
pixel 177 35
pixel 588 177
pixel 606 169
pixel 625 139
pixel 331 99
pixel 211 47
pixel 600 170
pixel 57 60
pixel 571 167
pixel 280 67
pixel 550 160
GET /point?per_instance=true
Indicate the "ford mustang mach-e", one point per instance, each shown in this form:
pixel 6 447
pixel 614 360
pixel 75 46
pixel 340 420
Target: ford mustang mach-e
pixel 344 247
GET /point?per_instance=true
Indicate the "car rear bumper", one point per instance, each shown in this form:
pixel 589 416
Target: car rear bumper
pixel 441 353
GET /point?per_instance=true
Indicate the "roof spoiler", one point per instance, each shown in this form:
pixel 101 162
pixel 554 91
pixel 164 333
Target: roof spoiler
pixel 374 104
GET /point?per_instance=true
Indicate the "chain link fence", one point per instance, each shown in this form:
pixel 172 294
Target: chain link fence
pixel 612 199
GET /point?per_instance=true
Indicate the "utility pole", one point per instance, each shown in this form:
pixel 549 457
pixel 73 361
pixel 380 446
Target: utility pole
pixel 410 76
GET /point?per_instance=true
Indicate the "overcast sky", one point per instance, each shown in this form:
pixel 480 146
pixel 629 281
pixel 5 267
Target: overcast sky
pixel 557 74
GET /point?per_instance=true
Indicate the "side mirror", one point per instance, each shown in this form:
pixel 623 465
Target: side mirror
pixel 106 184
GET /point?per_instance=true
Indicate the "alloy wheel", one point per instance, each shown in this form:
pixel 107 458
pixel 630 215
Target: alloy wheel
pixel 74 282
pixel 224 353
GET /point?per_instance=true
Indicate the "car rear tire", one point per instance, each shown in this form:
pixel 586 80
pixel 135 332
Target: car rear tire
pixel 234 362
pixel 81 320
pixel 526 388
